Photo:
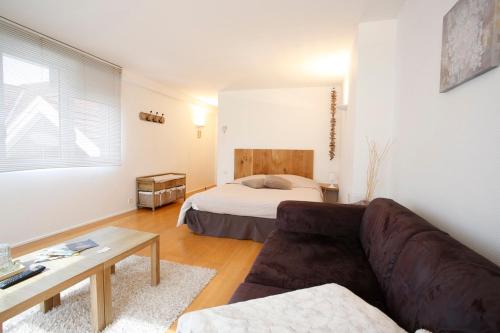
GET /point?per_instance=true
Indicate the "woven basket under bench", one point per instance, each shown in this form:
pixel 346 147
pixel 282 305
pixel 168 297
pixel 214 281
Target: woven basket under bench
pixel 157 190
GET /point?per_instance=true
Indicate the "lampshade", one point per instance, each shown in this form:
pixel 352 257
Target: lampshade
pixel 332 178
pixel 199 116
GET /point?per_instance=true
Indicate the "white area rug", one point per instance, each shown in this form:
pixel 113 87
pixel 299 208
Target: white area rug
pixel 137 307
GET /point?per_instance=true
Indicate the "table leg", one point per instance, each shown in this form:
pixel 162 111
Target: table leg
pixel 56 300
pixel 1 327
pixel 108 296
pixel 97 301
pixel 50 303
pixel 155 262
pixel 113 269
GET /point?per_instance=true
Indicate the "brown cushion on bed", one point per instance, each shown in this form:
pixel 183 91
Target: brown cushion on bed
pixel 277 183
pixel 254 182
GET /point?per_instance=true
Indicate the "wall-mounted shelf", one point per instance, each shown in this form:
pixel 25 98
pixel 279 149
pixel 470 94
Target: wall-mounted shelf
pixel 154 118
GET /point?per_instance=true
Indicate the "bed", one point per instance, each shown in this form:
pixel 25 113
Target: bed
pixel 237 211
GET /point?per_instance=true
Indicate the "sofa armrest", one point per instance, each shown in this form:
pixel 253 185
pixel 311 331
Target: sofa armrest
pixel 334 220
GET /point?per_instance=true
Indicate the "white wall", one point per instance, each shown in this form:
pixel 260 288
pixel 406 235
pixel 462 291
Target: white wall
pixel 296 118
pixel 370 112
pixel 41 202
pixel 447 156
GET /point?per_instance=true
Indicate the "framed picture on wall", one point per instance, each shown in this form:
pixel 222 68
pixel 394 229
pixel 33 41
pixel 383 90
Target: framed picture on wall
pixel 471 41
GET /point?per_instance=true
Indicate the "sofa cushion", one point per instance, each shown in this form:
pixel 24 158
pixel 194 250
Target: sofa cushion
pixel 334 220
pixel 247 291
pixel 441 285
pixel 385 229
pixel 293 261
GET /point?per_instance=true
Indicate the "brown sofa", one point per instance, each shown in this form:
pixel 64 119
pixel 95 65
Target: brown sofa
pixel 387 255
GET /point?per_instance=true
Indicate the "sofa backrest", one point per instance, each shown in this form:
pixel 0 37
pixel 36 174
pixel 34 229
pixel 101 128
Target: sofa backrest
pixel 385 229
pixel 429 279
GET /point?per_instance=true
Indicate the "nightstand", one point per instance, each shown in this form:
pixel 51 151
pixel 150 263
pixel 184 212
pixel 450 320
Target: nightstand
pixel 330 194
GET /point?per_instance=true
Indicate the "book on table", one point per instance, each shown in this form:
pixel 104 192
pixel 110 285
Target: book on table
pixel 65 250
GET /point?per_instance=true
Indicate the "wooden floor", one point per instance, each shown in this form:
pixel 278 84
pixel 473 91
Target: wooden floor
pixel 231 258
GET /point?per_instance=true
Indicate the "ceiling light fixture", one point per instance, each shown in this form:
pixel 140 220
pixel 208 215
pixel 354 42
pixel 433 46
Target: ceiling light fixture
pixel 210 100
pixel 329 65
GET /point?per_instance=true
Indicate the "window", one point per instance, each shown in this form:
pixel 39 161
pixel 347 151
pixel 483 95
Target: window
pixel 58 107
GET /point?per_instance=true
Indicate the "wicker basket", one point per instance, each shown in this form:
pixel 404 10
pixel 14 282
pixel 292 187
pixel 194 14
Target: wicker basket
pixel 146 199
pixel 181 191
pixel 168 196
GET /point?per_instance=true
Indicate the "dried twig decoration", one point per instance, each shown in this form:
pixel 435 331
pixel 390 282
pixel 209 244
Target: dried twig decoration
pixel 333 110
pixel 375 158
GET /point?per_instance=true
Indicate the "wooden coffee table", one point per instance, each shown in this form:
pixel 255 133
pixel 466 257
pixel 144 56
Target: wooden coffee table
pixel 45 288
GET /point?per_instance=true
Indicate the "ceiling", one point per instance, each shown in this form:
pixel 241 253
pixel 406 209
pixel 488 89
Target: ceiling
pixel 201 47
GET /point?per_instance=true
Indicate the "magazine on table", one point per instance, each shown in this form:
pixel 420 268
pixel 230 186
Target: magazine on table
pixel 65 250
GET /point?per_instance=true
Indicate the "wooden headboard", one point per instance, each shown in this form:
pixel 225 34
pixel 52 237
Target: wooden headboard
pixel 249 162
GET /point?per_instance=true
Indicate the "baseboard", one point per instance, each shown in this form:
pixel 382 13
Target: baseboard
pixel 201 189
pixel 24 246
pixel 18 247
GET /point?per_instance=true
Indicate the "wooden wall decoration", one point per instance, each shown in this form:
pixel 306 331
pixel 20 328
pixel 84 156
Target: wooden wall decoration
pixel 249 162
pixel 333 122
pixel 154 118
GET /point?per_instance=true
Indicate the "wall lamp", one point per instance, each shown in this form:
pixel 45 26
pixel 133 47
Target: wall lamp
pixel 199 119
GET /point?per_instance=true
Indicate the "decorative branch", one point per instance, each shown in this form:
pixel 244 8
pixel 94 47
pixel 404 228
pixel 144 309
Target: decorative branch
pixel 374 161
pixel 333 121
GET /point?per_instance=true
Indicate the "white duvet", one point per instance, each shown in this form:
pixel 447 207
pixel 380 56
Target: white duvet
pixel 327 308
pixel 237 199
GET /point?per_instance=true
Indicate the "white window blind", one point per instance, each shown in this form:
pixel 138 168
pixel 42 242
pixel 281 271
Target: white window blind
pixel 58 107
